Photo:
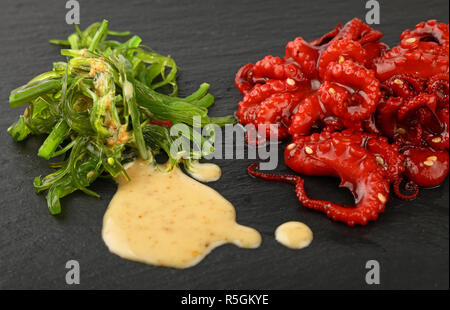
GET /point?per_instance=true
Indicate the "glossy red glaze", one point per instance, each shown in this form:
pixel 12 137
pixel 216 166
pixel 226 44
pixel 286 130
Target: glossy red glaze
pixel 423 52
pixel 426 167
pixel 364 164
pixel 352 89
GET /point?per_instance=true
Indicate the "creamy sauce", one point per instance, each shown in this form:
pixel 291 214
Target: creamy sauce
pixel 169 219
pixel 205 172
pixel 294 235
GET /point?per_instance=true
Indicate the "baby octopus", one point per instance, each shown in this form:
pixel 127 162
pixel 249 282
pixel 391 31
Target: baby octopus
pixel 365 164
pixel 356 109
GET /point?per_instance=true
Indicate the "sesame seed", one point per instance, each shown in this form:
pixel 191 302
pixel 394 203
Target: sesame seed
pixel 341 59
pixel 332 91
pixel 428 163
pixel 381 198
pixel 290 82
pixel 308 150
pixel 432 158
pixel 401 131
pixel 379 160
pixel 291 146
pixel 411 40
pixel 436 140
pixel 398 81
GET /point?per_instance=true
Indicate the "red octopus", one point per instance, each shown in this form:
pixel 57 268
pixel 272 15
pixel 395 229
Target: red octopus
pixel 414 111
pixel 342 58
pixel 365 164
pixel 422 52
pixel 357 110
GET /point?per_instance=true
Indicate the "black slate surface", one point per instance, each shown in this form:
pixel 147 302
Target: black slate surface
pixel 209 40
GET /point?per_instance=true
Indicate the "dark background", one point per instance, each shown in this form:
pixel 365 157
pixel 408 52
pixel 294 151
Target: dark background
pixel 209 40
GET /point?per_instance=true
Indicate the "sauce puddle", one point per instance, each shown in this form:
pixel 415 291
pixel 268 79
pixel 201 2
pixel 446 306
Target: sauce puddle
pixel 169 219
pixel 294 235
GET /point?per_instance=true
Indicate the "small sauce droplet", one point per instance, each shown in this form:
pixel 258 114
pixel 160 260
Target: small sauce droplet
pixel 294 235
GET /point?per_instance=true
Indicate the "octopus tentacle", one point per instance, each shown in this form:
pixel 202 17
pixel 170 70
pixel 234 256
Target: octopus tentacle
pixel 286 178
pixel 410 187
pixel 363 97
pixel 343 155
pixel 370 126
pixel 423 52
pixel 277 109
pixel 373 51
pixel 438 85
pixel 326 38
pixel 359 31
pixel 360 214
pixel 430 31
pixel 277 68
pixel 269 104
pixel 249 105
pixel 386 117
pixel 350 93
pixel 304 54
pixel 243 80
pixel 440 141
pixel 307 114
pixel 413 104
pixel 339 51
pixel 387 156
pixel 405 85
